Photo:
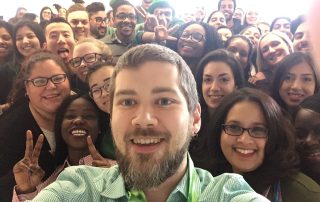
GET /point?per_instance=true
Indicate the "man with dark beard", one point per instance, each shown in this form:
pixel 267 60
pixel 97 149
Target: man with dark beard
pixel 98 19
pixel 124 21
pixel 154 114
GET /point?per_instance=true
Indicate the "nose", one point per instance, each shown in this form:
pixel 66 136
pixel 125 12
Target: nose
pixel 271 49
pixel 215 85
pixel 144 118
pixel 50 85
pixel 237 55
pixel 61 39
pixel 244 137
pixel 296 84
pixel 104 93
pixel 25 40
pixel 78 120
pixel 80 24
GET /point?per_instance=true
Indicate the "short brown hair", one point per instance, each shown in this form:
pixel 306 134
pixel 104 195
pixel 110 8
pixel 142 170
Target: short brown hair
pixel 151 52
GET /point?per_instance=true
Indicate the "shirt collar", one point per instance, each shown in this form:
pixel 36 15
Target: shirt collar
pixel 113 187
pixel 115 39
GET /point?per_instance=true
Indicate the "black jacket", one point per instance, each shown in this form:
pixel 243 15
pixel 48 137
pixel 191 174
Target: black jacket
pixel 13 126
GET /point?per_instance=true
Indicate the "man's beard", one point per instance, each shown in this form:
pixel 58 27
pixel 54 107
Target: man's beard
pixel 143 172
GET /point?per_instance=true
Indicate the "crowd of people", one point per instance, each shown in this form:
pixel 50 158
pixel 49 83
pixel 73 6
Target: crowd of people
pixel 136 104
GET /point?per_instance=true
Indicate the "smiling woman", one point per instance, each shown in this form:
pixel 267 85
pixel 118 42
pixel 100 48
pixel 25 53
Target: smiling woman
pixel 28 37
pixel 248 145
pixel 40 88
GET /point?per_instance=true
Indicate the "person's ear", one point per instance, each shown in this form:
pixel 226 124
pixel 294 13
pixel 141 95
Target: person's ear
pixel 196 124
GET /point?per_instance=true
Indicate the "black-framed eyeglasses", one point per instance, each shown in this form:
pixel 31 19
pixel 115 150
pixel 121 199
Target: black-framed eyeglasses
pixel 101 20
pixel 88 58
pixel 96 92
pixel 43 81
pixel 195 37
pixel 235 130
pixel 124 16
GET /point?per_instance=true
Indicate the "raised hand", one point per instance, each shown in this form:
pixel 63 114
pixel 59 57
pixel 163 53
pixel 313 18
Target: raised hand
pixel 27 172
pixel 98 160
pixel 150 23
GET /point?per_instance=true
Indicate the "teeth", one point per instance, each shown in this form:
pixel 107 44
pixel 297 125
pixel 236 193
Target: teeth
pixel 51 96
pixel 314 154
pixel 79 132
pixel 244 151
pixel 146 141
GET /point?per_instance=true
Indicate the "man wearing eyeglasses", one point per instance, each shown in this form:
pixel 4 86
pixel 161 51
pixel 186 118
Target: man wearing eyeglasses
pixel 124 21
pixel 98 19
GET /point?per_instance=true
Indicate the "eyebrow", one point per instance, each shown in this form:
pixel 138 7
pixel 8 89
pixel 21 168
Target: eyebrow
pixel 104 80
pixel 238 122
pixel 307 74
pixel 125 92
pixel 219 75
pixel 153 91
pixel 163 90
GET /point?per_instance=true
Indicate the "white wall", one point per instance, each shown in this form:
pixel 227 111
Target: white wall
pixel 269 9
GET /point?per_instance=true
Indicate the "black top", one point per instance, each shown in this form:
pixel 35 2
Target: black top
pixel 237 27
pixel 7 76
pixel 78 86
pixel 13 126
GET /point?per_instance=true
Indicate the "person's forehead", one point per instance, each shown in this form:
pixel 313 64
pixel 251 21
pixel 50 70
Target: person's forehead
pixel 163 9
pixel 142 74
pixel 218 14
pixel 282 21
pixel 226 2
pixel 125 9
pixel 58 27
pixel 78 15
pixel 195 28
pixel 85 48
pixel 102 14
pixel 239 11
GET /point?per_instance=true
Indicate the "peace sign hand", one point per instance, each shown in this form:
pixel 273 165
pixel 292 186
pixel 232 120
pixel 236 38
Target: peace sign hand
pixel 27 172
pixel 98 160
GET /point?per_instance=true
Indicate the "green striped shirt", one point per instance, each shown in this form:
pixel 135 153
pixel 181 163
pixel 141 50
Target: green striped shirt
pixel 86 183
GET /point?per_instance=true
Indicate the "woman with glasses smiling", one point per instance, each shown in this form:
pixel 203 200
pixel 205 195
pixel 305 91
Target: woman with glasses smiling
pixel 86 52
pixel 195 39
pixel 39 90
pixel 249 135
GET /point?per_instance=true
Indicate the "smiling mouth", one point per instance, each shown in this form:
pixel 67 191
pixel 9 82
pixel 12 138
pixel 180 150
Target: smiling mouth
pixel 146 141
pixel 52 96
pixel 79 132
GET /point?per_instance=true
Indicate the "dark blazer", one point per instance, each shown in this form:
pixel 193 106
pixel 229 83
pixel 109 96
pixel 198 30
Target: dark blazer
pixel 13 125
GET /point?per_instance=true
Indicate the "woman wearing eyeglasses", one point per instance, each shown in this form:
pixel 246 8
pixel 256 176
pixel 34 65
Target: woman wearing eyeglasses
pixel 39 90
pixel 250 136
pixel 195 39
pixel 86 52
pixel 99 78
